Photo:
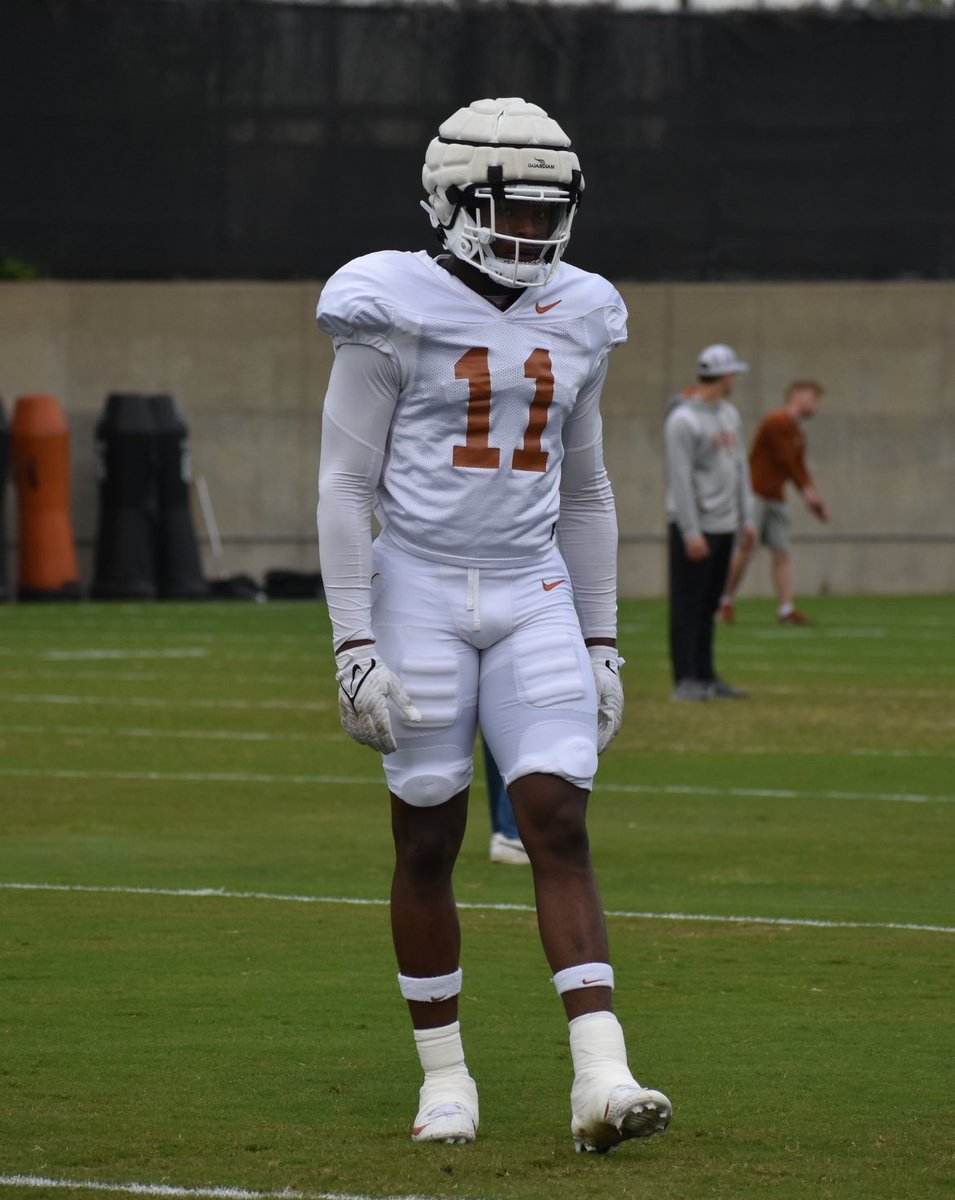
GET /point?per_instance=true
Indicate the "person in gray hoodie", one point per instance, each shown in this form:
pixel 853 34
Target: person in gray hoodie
pixel 709 505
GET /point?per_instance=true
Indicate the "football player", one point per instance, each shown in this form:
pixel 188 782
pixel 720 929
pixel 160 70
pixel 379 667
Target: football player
pixel 463 412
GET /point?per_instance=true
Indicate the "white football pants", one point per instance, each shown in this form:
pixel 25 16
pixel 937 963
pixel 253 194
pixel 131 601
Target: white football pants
pixel 497 647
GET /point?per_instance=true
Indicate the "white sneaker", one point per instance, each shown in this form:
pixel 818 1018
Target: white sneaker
pixel 448 1109
pixel 508 850
pixel 607 1113
pixel 694 690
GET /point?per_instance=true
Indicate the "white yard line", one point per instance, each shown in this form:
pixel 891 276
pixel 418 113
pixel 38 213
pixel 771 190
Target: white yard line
pixel 251 735
pixel 154 702
pixel 626 914
pixel 670 789
pixel 677 789
pixel 83 674
pixel 89 654
pixel 188 1193
pixel 134 731
pixel 185 776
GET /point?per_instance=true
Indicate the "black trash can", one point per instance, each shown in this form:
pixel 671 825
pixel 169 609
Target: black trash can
pixel 126 457
pixel 145 542
pixel 177 551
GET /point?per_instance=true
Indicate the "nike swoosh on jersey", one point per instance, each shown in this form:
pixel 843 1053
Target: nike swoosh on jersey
pixel 549 587
pixel 542 308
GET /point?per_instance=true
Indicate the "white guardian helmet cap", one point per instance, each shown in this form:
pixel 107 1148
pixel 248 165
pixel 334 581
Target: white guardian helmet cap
pixel 487 159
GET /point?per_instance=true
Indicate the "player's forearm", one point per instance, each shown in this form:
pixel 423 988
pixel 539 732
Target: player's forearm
pixel 357 413
pixel 587 537
pixel 347 479
pixel 344 540
pixel 587 528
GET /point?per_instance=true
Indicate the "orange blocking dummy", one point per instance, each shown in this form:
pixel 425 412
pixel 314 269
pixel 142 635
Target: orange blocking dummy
pixel 40 437
pixel 4 467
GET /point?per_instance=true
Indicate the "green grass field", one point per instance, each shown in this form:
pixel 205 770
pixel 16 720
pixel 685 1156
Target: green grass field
pixel 197 986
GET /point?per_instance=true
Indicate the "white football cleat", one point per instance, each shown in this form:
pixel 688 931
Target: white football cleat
pixel 448 1110
pixel 508 850
pixel 606 1114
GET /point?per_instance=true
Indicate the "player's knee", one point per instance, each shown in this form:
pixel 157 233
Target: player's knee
pixel 553 818
pixel 564 845
pixel 426 850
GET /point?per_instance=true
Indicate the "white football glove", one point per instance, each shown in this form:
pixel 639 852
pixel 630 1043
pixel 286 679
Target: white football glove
pixel 606 663
pixel 364 686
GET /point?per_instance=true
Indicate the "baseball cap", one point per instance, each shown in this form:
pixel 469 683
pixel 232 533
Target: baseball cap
pixel 720 360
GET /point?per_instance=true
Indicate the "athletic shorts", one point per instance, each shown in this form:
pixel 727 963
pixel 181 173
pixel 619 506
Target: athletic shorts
pixel 499 648
pixel 773 523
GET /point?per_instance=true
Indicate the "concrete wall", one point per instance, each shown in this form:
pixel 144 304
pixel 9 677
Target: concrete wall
pixel 882 448
pixel 248 367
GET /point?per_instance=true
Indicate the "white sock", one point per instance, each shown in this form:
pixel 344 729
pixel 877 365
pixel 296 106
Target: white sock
pixel 596 1039
pixel 786 609
pixel 446 1077
pixel 441 1049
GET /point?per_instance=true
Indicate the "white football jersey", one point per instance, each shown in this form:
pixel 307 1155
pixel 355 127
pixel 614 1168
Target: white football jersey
pixel 472 465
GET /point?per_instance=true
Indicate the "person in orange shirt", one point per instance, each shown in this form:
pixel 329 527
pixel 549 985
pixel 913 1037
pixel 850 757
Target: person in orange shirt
pixel 778 457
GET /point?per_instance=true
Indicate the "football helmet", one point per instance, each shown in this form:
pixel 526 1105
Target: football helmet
pixel 503 186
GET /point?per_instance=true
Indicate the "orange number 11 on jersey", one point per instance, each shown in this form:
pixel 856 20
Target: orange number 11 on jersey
pixel 477 450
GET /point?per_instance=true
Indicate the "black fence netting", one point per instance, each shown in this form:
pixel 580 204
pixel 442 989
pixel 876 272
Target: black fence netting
pixel 238 138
